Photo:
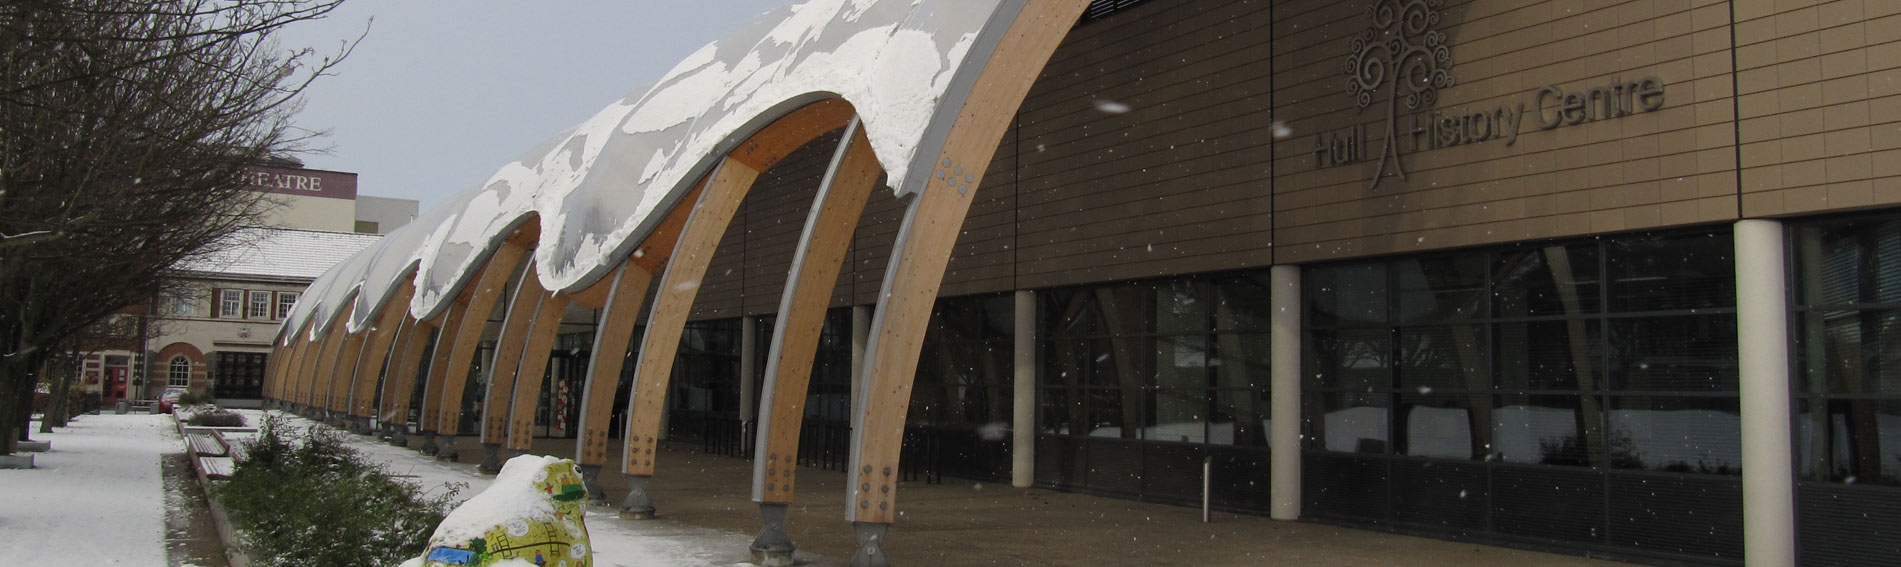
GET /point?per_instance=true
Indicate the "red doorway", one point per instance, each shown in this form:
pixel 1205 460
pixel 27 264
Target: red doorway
pixel 115 384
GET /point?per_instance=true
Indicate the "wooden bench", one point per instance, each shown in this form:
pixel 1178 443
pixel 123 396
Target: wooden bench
pixel 216 468
pixel 207 444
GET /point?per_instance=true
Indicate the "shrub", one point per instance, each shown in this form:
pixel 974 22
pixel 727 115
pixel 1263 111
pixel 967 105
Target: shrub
pixel 315 502
pixel 196 399
pixel 216 418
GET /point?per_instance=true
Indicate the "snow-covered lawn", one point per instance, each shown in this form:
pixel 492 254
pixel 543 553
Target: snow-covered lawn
pixel 96 499
pixel 616 542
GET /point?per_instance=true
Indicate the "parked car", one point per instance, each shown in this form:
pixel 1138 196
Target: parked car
pixel 169 398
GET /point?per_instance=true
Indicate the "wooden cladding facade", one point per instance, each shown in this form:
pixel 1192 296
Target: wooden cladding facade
pixel 1178 137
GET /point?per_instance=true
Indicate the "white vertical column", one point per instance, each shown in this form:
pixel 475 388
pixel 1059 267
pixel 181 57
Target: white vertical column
pixel 860 334
pixel 1762 337
pixel 1023 418
pixel 748 364
pixel 1284 388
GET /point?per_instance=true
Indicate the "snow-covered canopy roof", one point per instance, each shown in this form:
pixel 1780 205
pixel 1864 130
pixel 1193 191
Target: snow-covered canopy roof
pixel 599 189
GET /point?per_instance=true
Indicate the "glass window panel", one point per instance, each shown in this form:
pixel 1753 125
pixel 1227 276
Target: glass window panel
pixel 1066 362
pixel 1181 306
pixel 1849 261
pixel 1686 353
pixel 1060 412
pixel 1241 417
pixel 999 316
pixel 1072 312
pixel 1676 434
pixel 1850 352
pixel 1547 280
pixel 1181 362
pixel 1122 362
pixel 1346 295
pixel 1442 358
pixel 1440 426
pixel 1180 415
pixel 1651 272
pixel 1127 309
pixel 1547 430
pixel 1850 441
pixel 1240 360
pixel 1111 414
pixel 1242 302
pixel 1352 359
pixel 285 301
pixel 1549 355
pixel 1441 288
pixel 1349 422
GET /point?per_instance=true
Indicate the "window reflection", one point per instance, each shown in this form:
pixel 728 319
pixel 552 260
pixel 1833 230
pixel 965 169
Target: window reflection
pixel 1848 349
pixel 1524 355
pixel 1182 360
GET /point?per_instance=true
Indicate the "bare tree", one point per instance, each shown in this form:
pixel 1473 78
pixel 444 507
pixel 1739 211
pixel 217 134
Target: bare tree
pixel 126 127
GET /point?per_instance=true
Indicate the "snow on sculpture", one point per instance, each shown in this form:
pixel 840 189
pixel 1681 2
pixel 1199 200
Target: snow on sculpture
pixel 531 516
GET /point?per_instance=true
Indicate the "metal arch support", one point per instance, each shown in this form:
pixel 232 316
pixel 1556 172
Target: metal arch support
pixel 516 322
pixel 438 366
pixel 317 387
pixel 520 413
pixel 502 265
pixel 720 196
pixel 923 247
pixel 376 354
pixel 620 308
pixel 679 285
pixel 847 185
pixel 400 386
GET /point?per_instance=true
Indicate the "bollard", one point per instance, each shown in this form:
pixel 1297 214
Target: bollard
pixel 1207 485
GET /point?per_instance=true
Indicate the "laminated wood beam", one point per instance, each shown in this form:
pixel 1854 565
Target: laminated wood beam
pixel 317 390
pixel 931 226
pixel 516 324
pixel 349 358
pixel 679 285
pixel 501 266
pixel 697 240
pixel 382 335
pixel 821 250
pixel 618 315
pixel 439 362
pixel 528 375
pixel 400 386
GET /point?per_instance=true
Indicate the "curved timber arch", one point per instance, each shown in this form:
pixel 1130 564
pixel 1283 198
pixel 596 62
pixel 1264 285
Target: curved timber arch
pixel 644 191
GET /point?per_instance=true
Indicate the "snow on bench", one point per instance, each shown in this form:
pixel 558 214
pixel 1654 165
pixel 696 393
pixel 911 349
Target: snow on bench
pixel 207 444
pixel 216 468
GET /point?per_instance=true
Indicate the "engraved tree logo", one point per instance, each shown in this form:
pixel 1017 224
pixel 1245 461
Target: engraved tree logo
pixel 1402 53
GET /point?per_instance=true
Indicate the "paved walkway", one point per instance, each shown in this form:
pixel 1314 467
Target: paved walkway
pixel 96 499
pixel 704 500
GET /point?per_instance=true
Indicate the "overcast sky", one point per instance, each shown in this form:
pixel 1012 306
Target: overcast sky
pixel 440 94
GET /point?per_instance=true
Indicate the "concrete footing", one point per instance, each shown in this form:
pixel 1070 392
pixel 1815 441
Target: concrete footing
pixel 428 443
pixel 871 537
pixel 772 548
pixel 33 446
pixel 491 459
pixel 398 436
pixel 637 506
pixel 16 461
pixel 591 477
pixel 446 449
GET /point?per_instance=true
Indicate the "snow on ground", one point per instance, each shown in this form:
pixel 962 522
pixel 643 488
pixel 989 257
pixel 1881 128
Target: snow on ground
pixel 617 542
pixel 96 499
